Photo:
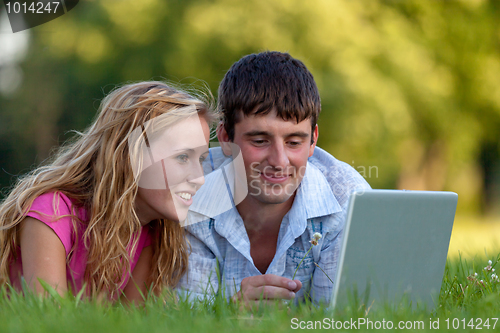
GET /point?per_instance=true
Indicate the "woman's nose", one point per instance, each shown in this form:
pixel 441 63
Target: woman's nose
pixel 196 176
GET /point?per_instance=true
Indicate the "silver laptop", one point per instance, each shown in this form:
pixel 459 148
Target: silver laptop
pixel 394 248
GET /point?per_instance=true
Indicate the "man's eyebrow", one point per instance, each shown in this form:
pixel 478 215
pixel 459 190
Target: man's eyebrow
pixel 299 134
pixel 256 133
pixel 264 133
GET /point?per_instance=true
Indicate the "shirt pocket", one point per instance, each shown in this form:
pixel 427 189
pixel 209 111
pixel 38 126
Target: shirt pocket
pixel 297 256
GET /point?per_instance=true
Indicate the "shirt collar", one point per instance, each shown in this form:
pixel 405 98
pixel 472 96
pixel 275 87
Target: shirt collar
pixel 213 198
pixel 315 194
pixel 314 198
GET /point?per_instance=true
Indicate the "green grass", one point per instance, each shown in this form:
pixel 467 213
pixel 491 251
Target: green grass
pixel 462 296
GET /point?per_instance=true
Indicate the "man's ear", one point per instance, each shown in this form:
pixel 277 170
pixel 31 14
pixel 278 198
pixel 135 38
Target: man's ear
pixel 224 139
pixel 315 134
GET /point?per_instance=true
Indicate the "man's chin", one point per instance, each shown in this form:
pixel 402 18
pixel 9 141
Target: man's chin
pixel 271 199
pixel 271 193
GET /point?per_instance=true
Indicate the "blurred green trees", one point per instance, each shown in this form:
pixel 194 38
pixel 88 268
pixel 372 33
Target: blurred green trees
pixel 410 89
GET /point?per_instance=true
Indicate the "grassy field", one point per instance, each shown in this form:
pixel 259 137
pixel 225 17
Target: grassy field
pixel 469 300
pixel 473 236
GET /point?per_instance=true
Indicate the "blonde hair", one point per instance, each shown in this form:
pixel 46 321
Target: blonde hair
pixel 95 172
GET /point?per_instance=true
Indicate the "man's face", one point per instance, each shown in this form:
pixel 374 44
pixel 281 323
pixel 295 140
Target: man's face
pixel 275 154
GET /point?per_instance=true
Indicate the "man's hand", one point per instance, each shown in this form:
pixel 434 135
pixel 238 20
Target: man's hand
pixel 267 288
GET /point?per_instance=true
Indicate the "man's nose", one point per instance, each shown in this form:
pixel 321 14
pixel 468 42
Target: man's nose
pixel 278 157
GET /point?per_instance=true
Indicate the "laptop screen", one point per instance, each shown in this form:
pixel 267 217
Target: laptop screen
pixel 394 248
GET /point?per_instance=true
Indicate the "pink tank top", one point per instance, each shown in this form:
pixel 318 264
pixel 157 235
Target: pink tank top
pixel 44 208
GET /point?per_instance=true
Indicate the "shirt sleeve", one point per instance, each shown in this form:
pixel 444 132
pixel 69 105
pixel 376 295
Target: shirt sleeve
pixel 55 210
pixel 201 280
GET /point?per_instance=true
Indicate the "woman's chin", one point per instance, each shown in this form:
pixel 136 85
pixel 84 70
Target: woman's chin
pixel 183 222
pixel 179 216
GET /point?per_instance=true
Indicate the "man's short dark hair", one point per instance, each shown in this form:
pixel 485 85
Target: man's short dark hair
pixel 260 83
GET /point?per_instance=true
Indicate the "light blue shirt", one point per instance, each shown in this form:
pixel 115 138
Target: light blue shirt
pixel 220 257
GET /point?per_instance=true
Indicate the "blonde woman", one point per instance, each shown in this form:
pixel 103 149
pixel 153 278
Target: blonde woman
pixel 104 214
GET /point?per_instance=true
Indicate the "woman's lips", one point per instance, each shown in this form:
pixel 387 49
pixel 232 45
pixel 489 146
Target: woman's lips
pixel 185 197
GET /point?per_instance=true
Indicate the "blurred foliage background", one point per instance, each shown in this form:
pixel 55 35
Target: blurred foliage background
pixel 410 89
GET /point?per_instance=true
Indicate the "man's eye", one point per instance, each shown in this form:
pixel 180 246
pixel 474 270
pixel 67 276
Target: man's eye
pixel 202 159
pixel 294 143
pixel 183 158
pixel 258 142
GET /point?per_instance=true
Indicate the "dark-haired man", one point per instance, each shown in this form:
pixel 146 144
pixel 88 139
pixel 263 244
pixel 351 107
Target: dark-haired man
pixel 248 243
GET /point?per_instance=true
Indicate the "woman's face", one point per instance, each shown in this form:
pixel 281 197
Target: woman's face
pixel 173 172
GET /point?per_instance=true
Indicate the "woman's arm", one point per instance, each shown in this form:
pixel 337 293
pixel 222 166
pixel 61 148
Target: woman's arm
pixel 43 256
pixel 138 282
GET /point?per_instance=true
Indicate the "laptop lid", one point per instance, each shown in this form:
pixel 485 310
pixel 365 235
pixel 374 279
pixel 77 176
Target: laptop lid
pixel 394 248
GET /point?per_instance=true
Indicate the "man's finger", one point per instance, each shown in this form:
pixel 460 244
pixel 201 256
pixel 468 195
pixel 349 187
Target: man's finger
pixel 264 293
pixel 270 293
pixel 270 280
pixel 299 285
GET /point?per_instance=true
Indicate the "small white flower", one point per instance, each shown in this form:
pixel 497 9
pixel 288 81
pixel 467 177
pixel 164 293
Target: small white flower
pixel 494 276
pixel 481 281
pixel 490 262
pixel 317 236
pixel 475 274
pixel 492 269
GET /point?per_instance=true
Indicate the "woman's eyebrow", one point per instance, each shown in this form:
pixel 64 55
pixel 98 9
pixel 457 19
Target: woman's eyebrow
pixel 185 149
pixel 190 150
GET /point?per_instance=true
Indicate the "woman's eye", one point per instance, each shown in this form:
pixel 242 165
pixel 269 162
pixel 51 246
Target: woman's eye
pixel 183 158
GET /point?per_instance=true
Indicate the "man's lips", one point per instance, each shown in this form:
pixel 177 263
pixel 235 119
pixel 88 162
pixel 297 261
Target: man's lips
pixel 275 178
